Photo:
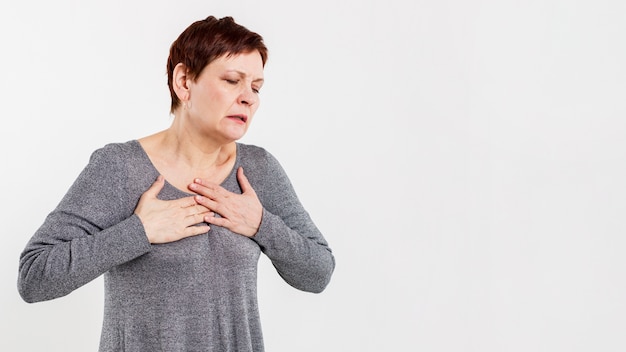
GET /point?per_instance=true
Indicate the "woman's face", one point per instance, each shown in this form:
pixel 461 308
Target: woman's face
pixel 224 98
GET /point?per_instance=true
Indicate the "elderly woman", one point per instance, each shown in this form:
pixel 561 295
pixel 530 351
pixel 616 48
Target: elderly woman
pixel 176 221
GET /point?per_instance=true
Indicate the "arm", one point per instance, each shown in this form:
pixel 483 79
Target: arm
pixel 92 230
pixel 302 258
pixel 269 212
pixel 287 234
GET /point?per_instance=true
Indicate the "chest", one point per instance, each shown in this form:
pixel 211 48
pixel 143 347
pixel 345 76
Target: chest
pixel 212 262
pixel 181 178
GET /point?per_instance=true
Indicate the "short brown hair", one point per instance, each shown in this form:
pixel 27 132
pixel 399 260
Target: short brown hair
pixel 206 40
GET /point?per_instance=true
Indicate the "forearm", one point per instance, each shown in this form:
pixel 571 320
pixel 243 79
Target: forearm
pixel 58 260
pixel 301 256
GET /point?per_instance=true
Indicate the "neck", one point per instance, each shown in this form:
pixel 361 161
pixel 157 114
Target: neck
pixel 194 150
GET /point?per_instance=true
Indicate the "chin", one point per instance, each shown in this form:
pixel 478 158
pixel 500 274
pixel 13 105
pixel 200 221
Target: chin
pixel 235 135
pixel 232 138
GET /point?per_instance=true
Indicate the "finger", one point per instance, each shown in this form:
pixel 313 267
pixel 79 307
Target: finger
pixel 217 221
pixel 207 189
pixel 243 181
pixel 196 230
pixel 186 202
pixel 197 209
pixel 206 202
pixel 155 188
pixel 196 218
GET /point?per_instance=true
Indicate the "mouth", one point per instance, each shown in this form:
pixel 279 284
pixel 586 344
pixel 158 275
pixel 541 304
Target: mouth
pixel 242 118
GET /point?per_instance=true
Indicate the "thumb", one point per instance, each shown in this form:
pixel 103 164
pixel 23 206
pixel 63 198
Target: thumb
pixel 155 188
pixel 243 182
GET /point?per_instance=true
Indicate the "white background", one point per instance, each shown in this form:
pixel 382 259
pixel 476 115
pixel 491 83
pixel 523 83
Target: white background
pixel 465 160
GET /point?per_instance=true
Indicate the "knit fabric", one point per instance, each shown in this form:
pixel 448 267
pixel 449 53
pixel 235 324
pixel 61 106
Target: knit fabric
pixel 196 294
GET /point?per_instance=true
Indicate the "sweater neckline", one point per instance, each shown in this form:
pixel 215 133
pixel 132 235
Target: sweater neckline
pixel 146 158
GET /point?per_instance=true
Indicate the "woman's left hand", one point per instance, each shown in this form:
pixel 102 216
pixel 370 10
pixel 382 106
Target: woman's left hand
pixel 240 213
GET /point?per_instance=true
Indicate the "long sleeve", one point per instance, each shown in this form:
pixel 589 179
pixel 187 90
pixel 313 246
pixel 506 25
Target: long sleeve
pixel 198 293
pixel 287 235
pixel 92 230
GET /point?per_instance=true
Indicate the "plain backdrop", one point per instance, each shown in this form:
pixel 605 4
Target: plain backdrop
pixel 464 159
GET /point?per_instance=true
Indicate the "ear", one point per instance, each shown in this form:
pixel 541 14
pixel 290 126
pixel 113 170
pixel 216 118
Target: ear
pixel 180 79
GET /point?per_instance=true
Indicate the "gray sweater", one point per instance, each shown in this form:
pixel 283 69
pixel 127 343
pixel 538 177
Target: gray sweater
pixel 196 294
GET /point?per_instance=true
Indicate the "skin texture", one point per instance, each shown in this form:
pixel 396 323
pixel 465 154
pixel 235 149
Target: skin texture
pixel 240 213
pixel 167 221
pixel 197 152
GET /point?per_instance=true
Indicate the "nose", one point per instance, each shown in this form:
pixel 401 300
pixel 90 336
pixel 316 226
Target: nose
pixel 248 97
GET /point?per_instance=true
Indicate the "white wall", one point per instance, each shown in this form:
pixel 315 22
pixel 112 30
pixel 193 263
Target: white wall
pixel 465 160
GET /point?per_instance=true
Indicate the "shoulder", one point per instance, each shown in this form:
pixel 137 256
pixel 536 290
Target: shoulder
pixel 252 155
pixel 117 159
pixel 122 150
pixel 121 167
pixel 250 151
pixel 118 154
pixel 260 165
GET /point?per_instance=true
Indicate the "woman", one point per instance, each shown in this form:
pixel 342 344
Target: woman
pixel 179 255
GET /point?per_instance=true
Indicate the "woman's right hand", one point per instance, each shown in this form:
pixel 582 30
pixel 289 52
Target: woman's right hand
pixel 170 220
